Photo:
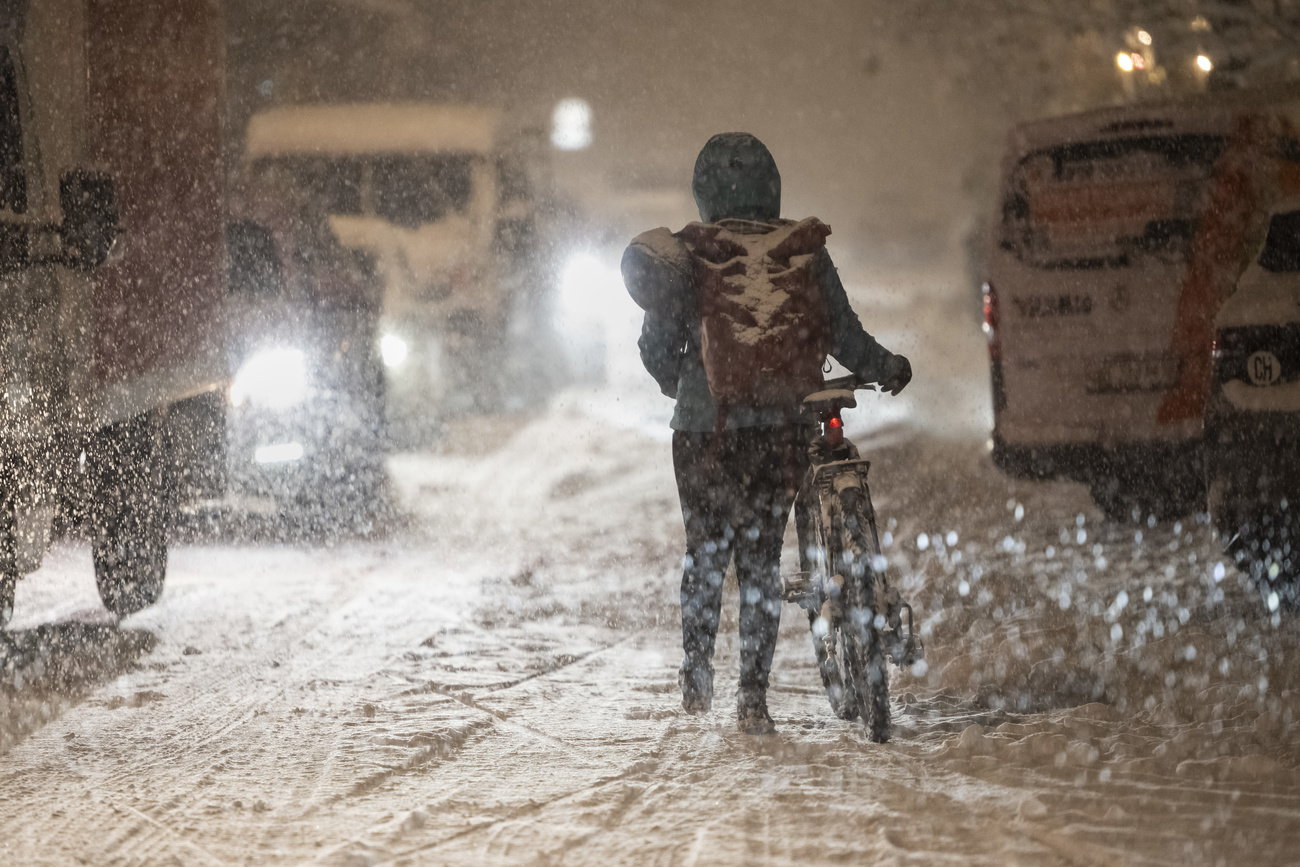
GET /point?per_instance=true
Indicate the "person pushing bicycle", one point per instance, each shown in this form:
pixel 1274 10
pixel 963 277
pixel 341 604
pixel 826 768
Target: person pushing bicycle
pixel 741 311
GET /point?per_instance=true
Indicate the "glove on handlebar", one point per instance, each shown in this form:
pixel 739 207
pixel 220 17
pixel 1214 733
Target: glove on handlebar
pixel 898 373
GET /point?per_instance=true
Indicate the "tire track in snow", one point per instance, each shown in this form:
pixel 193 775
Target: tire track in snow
pixel 171 833
pixel 472 702
pixel 644 764
pixel 141 838
pixel 192 760
pixel 520 813
pixel 493 717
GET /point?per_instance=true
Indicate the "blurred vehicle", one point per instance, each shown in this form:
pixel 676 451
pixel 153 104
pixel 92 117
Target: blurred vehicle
pixel 1101 278
pixel 449 214
pixel 110 140
pixel 1253 419
pixel 304 415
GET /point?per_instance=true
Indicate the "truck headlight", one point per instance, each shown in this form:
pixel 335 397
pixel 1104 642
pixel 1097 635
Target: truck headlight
pixel 393 350
pixel 272 378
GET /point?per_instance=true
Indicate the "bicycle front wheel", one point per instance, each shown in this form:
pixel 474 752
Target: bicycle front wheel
pixel 863 650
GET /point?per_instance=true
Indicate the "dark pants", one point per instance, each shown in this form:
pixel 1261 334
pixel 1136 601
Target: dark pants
pixel 736 490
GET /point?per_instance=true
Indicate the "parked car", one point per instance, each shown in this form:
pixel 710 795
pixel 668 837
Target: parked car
pixel 1253 419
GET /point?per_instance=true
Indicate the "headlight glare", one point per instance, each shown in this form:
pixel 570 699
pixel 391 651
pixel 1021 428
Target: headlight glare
pixel 393 350
pixel 272 379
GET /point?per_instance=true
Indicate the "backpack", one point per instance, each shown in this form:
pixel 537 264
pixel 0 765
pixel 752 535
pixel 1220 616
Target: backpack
pixel 765 330
pixel 659 273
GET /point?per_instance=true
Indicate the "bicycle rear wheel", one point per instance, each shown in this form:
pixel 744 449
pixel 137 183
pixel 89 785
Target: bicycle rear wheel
pixel 863 650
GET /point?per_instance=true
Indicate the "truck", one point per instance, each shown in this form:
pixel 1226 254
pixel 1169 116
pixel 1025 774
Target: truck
pixel 112 262
pixel 1119 233
pixel 446 207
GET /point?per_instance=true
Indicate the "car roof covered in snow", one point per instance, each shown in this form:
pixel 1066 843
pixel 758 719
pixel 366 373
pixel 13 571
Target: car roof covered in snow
pixel 371 128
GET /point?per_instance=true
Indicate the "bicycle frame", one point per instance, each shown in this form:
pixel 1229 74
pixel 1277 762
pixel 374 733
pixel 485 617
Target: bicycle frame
pixel 835 466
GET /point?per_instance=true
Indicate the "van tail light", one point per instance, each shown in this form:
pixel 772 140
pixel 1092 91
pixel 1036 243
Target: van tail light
pixel 992 317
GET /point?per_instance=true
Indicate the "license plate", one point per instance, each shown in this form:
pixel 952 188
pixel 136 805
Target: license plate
pixel 1121 374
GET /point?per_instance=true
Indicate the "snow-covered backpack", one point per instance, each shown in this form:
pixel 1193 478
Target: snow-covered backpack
pixel 765 325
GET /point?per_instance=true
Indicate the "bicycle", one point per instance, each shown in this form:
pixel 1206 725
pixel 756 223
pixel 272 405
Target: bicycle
pixel 855 617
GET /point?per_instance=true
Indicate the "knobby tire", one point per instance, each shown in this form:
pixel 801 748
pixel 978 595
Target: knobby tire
pixel 864 652
pixel 133 501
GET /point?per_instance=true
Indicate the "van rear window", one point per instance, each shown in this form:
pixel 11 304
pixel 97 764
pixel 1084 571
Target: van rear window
pixel 1099 204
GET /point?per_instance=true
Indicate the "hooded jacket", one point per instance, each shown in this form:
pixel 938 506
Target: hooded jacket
pixel 736 178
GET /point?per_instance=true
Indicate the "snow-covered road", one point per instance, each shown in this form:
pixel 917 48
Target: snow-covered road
pixel 494 682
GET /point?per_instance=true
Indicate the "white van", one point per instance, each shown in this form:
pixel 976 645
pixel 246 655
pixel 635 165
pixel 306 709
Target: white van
pixel 1085 274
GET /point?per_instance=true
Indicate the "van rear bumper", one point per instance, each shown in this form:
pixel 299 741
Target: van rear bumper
pixel 1092 462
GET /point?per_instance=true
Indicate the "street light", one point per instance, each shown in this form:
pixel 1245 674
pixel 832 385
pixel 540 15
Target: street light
pixel 1204 63
pixel 1124 61
pixel 571 124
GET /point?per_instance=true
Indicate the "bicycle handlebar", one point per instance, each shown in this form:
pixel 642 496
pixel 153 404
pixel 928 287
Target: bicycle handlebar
pixel 852 382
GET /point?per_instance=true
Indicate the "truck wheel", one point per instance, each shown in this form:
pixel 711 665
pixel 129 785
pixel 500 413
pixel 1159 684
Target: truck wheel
pixel 8 560
pixel 131 476
pixel 8 584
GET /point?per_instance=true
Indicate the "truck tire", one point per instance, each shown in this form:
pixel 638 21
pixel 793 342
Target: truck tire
pixel 133 503
pixel 8 560
pixel 8 584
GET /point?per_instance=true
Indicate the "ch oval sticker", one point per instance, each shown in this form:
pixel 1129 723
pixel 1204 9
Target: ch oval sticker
pixel 1263 368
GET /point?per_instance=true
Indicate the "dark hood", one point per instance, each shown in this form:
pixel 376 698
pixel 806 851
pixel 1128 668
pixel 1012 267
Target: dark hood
pixel 736 178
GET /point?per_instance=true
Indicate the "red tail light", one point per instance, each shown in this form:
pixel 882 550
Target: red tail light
pixel 834 430
pixel 992 317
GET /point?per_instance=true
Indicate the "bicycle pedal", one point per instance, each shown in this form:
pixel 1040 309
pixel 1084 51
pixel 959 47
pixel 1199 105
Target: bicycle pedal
pixel 905 652
pixel 798 588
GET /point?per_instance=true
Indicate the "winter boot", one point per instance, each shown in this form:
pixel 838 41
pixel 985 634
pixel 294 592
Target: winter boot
pixel 696 682
pixel 752 717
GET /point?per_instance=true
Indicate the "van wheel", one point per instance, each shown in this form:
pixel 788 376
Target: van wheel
pixel 131 477
pixel 1257 544
pixel 1128 504
pixel 1257 531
